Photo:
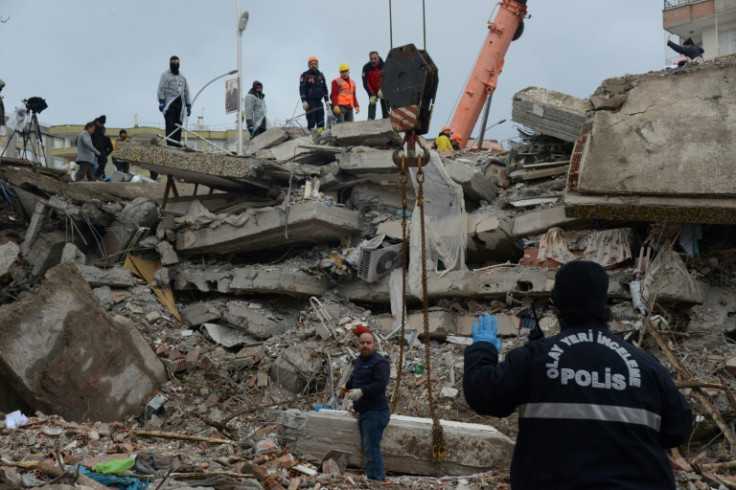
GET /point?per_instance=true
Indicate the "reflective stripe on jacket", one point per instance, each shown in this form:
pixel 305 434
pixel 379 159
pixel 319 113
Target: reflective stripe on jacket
pixel 343 93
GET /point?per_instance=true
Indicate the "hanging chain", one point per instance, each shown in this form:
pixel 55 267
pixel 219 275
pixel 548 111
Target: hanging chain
pixel 439 448
pixel 403 179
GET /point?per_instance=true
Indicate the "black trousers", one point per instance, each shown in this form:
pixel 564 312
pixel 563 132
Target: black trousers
pixel 315 114
pixel 372 110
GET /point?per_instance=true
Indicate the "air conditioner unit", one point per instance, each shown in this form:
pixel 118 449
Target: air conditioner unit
pixel 377 262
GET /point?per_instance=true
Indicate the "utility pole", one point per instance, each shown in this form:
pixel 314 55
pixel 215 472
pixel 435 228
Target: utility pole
pixel 242 22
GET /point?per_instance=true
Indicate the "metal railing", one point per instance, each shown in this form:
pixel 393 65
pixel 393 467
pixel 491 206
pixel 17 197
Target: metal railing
pixel 670 4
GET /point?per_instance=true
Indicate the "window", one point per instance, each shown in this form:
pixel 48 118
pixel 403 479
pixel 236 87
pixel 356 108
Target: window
pixel 727 41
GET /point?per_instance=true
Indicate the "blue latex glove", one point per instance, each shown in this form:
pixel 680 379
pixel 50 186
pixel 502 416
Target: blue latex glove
pixel 160 107
pixel 250 130
pixel 486 330
pixel 189 109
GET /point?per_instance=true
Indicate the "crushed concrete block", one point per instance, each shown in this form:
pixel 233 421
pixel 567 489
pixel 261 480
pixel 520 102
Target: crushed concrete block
pixel 115 277
pixel 300 150
pixel 71 253
pixel 489 230
pixel 297 366
pixel 258 322
pixel 308 222
pixel 368 163
pixel 46 251
pixel 549 112
pixel 448 392
pixel 370 133
pixel 265 280
pixel 167 253
pixel 226 336
pixel 406 446
pixel 475 185
pixel 64 354
pixel 392 229
pixel 8 255
pixel 131 225
pixel 271 137
pixel 39 218
pixel 195 314
pixel 104 296
pixel 384 197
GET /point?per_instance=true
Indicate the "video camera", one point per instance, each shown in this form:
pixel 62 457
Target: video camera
pixel 35 104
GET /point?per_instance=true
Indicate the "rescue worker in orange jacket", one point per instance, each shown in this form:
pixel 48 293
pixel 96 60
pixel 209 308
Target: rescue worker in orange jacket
pixel 343 96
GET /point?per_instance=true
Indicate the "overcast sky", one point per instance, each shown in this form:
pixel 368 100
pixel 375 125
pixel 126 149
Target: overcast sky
pixel 92 57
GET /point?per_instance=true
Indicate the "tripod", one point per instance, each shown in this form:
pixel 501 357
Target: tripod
pixel 26 133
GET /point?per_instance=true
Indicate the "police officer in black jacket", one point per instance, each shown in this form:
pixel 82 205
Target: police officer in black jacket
pixel 595 411
pixel 312 90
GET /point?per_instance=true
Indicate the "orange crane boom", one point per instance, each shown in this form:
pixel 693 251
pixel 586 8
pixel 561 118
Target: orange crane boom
pixel 482 83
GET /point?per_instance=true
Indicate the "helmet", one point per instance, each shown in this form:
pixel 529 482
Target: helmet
pixel 446 129
pixel 457 137
pixel 312 58
pixel 344 67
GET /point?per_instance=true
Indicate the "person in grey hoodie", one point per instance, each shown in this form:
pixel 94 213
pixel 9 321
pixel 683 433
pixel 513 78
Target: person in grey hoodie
pixel 173 101
pixel 255 110
pixel 86 153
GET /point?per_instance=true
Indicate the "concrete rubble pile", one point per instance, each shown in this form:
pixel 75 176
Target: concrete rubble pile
pixel 209 330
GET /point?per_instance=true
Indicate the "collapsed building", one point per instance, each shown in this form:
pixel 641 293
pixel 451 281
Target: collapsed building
pixel 218 313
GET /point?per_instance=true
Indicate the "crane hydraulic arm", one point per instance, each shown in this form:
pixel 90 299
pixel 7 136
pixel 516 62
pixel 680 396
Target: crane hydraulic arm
pixel 506 27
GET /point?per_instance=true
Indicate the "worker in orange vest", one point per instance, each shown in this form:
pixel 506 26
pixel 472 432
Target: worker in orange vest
pixel 343 96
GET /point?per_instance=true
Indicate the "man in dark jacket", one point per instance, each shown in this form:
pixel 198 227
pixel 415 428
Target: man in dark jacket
pixel 689 49
pixel 103 144
pixel 595 411
pixel 372 84
pixel 367 390
pixel 312 90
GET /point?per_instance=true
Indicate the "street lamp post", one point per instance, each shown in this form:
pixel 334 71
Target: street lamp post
pixel 186 122
pixel 242 22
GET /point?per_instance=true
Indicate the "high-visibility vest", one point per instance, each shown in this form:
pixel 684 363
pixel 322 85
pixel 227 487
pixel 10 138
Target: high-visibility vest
pixel 346 94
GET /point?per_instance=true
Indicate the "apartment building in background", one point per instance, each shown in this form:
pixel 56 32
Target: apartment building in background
pixel 710 23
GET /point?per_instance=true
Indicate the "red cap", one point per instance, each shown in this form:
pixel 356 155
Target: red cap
pixel 360 329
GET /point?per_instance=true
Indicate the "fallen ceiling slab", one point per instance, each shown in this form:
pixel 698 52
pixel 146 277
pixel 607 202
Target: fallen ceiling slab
pixel 309 222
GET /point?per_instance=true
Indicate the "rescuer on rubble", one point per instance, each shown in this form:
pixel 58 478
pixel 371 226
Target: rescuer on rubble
pixel 367 389
pixel 312 89
pixel 689 50
pixel 174 102
pixel 442 142
pixel 255 110
pixel 595 411
pixel 343 96
pixel 456 140
pixel 372 84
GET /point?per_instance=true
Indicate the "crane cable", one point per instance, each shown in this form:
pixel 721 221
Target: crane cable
pixel 439 447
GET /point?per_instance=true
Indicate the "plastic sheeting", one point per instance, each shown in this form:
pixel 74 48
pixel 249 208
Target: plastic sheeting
pixel 445 224
pixel 198 216
pixel 668 271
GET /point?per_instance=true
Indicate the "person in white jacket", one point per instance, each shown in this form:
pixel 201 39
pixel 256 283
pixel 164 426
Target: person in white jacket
pixel 255 110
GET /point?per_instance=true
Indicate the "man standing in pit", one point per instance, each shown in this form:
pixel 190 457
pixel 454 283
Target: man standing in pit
pixel 372 84
pixel 312 90
pixel 595 411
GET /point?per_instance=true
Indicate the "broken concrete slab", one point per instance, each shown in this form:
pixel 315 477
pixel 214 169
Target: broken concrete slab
pixel 133 223
pixel 39 218
pixel 46 251
pixel 257 321
pixel 8 255
pixel 301 150
pixel 549 112
pixel 384 197
pixel 115 277
pixel 226 336
pixel 247 280
pixel 197 313
pixel 538 221
pixel 370 133
pixel 439 321
pixel 370 163
pixel 406 446
pixel 308 222
pixel 167 253
pixel 71 253
pixel 271 137
pixel 647 150
pixel 489 230
pixel 63 354
pixel 475 185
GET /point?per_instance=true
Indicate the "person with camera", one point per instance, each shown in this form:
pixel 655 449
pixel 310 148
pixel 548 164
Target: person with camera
pixel 594 410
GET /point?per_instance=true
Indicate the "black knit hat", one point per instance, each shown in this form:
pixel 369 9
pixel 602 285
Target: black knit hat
pixel 256 83
pixel 688 42
pixel 581 292
pixel 102 119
